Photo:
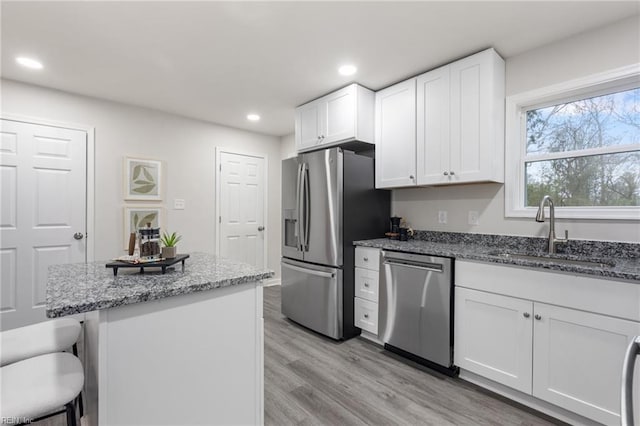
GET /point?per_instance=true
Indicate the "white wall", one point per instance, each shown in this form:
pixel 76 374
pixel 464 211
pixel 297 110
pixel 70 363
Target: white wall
pixel 606 48
pixel 288 146
pixel 186 146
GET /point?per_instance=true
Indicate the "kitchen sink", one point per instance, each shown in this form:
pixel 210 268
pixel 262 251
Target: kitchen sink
pixel 559 259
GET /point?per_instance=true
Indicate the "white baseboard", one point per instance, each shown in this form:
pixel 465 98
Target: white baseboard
pixel 271 282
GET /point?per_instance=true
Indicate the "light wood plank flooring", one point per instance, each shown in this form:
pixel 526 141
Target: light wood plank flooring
pixel 313 380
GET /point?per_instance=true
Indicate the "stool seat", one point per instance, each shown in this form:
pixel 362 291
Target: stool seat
pixel 39 385
pixel 38 339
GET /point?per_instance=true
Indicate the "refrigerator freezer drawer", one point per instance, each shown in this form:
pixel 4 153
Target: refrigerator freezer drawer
pixel 312 296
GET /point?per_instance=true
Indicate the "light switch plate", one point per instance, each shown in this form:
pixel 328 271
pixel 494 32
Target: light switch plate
pixel 473 217
pixel 179 204
pixel 442 216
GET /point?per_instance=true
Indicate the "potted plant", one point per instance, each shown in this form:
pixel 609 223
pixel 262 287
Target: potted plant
pixel 169 241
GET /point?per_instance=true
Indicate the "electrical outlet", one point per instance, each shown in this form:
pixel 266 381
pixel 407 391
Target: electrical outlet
pixel 442 216
pixel 179 204
pixel 473 217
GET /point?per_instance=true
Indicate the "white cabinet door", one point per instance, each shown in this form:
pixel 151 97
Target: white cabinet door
pixel 433 127
pixel 493 337
pixel 308 125
pixel 395 135
pixel 578 360
pixel 339 116
pixel 477 118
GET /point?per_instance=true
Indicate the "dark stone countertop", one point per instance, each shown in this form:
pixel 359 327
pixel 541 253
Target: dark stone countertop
pixel 625 257
pixel 84 287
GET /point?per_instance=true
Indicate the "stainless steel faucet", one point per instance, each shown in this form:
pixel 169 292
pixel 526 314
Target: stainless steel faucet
pixel 552 224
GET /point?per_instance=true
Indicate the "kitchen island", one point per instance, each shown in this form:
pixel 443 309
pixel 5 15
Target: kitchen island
pixel 175 348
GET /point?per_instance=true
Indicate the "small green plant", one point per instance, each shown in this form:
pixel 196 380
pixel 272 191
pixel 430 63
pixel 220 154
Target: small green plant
pixel 170 240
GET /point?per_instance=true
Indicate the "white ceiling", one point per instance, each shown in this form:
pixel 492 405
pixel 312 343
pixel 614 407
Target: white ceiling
pixel 218 61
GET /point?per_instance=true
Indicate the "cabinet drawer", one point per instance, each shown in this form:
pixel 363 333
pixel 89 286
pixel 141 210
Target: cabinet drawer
pixel 366 315
pixel 368 258
pixel 367 284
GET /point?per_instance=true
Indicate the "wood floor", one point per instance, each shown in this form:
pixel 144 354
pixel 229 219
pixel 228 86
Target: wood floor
pixel 313 380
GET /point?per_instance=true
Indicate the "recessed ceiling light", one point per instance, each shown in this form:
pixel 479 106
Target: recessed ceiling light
pixel 253 117
pixel 347 69
pixel 29 63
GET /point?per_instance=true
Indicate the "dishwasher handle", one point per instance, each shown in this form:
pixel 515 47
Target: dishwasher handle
pixel 434 267
pixel 626 409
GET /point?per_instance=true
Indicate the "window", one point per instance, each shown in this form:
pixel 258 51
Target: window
pixel 578 142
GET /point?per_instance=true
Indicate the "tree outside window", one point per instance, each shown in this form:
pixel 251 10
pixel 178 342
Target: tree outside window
pixel 585 152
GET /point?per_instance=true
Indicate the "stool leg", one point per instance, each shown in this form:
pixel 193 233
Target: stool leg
pixel 80 405
pixel 71 414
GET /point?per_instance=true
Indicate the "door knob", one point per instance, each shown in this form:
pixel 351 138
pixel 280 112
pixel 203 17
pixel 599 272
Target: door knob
pixel 260 228
pixel 446 173
pixel 526 315
pixel 78 235
pixel 538 317
pixel 451 173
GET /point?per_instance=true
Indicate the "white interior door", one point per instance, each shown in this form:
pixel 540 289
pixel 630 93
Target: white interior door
pixel 241 200
pixel 44 182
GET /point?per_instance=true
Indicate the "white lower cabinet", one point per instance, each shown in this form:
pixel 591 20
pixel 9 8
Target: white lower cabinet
pixel 365 302
pixel 567 357
pixel 366 315
pixel 494 337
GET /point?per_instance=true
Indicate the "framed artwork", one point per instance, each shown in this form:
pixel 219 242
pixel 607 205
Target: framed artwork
pixel 136 217
pixel 142 179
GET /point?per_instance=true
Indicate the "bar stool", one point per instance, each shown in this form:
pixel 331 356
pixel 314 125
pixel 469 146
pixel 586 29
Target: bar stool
pixel 39 387
pixel 51 336
pixel 38 339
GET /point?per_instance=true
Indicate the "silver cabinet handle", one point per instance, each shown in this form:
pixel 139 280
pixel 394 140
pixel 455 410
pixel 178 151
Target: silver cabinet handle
pixel 411 177
pixel 366 315
pixel 78 235
pixel 526 315
pixel 366 259
pixel 260 228
pixel 626 397
pixel 446 173
pixel 538 317
pixel 451 173
pixel 366 284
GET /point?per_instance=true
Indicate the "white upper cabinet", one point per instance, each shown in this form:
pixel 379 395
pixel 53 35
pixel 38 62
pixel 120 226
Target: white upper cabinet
pixel 342 116
pixel 459 125
pixel 396 135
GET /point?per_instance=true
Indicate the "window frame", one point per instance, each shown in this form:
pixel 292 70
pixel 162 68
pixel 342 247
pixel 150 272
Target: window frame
pixel 516 107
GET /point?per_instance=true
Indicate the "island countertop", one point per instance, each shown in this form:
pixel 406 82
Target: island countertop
pixel 84 287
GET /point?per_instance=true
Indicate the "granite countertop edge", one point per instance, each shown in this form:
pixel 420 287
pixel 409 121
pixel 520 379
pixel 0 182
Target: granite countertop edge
pixel 624 269
pixel 100 290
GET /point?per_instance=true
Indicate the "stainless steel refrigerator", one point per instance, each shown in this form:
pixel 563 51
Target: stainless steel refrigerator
pixel 329 200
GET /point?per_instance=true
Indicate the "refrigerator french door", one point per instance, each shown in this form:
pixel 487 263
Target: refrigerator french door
pixel 312 192
pixel 328 201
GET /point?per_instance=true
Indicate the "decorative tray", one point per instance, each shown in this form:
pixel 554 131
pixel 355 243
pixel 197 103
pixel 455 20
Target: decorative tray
pixel 160 263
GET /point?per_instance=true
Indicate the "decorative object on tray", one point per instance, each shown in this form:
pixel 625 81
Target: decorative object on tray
pixel 130 262
pixel 137 217
pixel 149 242
pixel 169 241
pixel 142 179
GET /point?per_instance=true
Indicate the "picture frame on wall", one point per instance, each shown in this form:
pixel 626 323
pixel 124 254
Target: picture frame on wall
pixel 142 179
pixel 136 217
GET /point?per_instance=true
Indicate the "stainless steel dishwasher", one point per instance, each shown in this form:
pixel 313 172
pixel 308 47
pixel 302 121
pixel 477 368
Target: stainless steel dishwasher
pixel 416 308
